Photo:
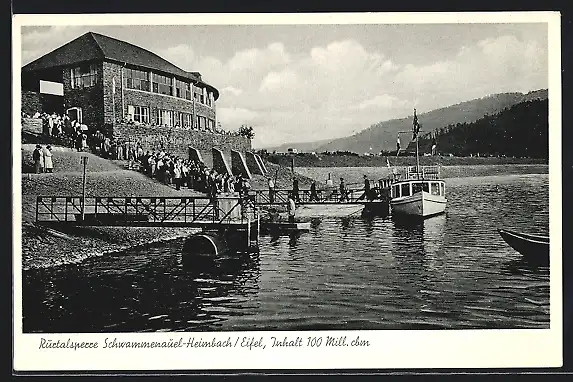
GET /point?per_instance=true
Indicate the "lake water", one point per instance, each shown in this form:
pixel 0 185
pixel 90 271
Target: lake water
pixel 452 271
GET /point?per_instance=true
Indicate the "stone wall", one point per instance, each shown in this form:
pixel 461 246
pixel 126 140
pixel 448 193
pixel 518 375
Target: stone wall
pixel 31 102
pixel 32 125
pixel 111 102
pixel 89 99
pixel 177 141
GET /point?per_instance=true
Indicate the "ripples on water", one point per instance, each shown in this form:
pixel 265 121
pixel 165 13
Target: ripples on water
pixel 451 271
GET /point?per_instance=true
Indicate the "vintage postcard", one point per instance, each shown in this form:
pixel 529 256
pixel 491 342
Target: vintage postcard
pixel 287 191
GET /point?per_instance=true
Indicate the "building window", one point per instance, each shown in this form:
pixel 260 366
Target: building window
pixel 162 84
pixel 188 91
pixel 137 79
pixel 182 89
pixel 185 120
pixel 138 114
pixel 165 118
pixel 202 123
pixel 84 76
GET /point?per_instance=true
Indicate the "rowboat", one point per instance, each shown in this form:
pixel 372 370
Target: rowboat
pixel 285 226
pixel 526 244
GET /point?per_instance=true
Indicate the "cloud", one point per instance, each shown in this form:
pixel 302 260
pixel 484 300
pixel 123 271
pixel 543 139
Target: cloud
pixel 252 59
pixel 233 117
pixel 381 101
pixel 275 81
pixel 493 65
pixel 230 90
pixel 180 55
pixel 338 87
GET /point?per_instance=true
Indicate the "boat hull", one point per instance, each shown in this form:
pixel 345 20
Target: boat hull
pixel 422 204
pixel 526 244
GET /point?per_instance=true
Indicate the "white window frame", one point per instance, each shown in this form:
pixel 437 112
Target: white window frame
pixel 77 77
pixel 166 117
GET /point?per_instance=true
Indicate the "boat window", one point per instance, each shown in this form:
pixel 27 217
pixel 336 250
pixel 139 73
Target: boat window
pixel 426 186
pixel 416 187
pixel 406 189
pixel 396 191
pixel 435 188
pixel 442 189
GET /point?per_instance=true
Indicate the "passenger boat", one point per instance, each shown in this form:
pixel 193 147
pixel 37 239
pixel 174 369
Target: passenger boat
pixel 526 244
pixel 417 191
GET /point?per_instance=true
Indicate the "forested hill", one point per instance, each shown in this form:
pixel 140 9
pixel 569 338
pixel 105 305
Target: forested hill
pixel 519 131
pixel 382 136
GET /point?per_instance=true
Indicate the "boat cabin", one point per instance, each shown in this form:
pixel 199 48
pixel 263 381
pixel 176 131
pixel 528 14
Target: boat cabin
pixel 411 187
pixel 410 180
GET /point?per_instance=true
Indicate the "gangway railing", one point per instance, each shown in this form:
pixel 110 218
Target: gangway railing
pixel 145 211
pixel 304 196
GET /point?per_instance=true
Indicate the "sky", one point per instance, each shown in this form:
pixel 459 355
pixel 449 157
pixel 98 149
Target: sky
pixel 301 83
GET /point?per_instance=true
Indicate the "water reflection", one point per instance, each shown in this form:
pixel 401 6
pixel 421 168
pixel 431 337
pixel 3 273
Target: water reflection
pixel 168 292
pixel 293 239
pixel 416 244
pixel 346 222
pixel 526 265
pixel 448 271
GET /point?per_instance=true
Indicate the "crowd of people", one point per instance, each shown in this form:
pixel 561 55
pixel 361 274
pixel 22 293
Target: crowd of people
pixel 69 132
pixel 192 174
pixel 196 127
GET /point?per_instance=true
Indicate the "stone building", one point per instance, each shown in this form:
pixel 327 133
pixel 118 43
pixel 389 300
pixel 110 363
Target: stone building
pixel 108 82
pixel 130 94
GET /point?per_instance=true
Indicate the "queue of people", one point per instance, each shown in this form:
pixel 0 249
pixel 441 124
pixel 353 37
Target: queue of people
pixel 189 173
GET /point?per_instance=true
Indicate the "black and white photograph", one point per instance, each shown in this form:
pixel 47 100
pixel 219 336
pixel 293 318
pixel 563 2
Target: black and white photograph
pixel 258 184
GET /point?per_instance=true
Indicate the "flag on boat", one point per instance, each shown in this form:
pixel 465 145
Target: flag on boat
pixel 416 126
pixel 387 163
pixel 398 146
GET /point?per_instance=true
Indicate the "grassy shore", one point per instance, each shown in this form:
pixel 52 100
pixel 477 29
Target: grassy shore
pixel 43 247
pixel 321 160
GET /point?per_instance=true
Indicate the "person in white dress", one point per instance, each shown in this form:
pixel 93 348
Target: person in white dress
pixel 48 163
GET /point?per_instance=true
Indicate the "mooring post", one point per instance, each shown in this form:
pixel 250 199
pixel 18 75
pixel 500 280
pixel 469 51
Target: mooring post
pixel 84 162
pixel 248 230
pixel 258 223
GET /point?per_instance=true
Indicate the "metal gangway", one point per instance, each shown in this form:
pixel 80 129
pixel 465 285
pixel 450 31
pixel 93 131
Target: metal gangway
pixel 200 212
pixel 322 196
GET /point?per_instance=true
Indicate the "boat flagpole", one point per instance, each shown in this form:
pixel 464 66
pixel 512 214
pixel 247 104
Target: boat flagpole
pixel 416 128
pixel 417 160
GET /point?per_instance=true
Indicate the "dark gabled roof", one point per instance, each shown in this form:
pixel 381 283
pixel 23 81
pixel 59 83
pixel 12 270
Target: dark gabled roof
pixel 93 46
pixel 83 48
